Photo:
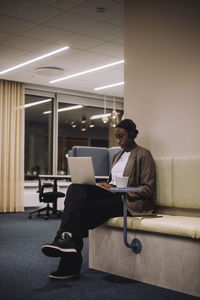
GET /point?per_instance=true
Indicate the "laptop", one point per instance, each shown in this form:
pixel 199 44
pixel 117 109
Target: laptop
pixel 81 170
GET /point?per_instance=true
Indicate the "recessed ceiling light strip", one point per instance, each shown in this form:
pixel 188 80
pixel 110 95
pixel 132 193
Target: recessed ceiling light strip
pixel 34 60
pixel 88 71
pixel 64 109
pixel 36 103
pixel 94 117
pixel 108 86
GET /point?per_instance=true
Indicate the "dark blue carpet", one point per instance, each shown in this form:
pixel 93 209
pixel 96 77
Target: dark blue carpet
pixel 24 269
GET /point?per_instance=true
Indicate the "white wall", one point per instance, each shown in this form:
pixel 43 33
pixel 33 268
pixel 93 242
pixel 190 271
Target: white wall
pixel 162 74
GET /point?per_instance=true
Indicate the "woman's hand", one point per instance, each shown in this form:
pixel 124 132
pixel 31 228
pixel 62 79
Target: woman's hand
pixel 105 185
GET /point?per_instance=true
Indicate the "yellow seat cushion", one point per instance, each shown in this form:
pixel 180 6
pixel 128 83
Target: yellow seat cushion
pixel 166 224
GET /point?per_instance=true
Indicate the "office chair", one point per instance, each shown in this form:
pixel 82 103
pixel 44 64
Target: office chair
pixel 47 197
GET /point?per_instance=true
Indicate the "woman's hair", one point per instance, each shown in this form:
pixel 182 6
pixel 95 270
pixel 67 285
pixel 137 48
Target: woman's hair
pixel 129 126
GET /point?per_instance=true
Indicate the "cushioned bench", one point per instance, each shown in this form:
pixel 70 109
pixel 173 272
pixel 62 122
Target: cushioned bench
pixel 174 225
pixel 170 255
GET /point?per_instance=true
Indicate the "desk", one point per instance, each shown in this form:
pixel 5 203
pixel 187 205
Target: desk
pixel 135 245
pixel 56 177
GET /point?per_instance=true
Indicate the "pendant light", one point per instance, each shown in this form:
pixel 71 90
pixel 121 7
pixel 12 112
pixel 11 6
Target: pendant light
pixel 114 118
pixel 105 117
pixel 83 120
pixel 73 124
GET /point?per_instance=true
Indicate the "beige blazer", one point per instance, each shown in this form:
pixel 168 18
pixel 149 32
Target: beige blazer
pixel 140 169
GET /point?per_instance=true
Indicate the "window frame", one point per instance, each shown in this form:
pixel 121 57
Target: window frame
pixel 69 97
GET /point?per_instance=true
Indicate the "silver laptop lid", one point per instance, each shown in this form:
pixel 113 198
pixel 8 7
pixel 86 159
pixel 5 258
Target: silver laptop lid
pixel 81 170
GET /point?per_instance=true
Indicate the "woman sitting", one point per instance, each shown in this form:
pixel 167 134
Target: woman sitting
pixel 88 206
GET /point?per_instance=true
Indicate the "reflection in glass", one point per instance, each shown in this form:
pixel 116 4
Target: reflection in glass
pixel 75 128
pixel 38 136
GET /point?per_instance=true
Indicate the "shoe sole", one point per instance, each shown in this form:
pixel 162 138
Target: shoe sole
pixel 64 277
pixel 54 251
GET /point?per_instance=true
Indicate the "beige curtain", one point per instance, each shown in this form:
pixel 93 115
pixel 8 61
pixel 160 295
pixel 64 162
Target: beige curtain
pixel 12 146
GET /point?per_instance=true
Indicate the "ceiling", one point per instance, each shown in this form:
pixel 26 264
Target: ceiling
pixel 31 28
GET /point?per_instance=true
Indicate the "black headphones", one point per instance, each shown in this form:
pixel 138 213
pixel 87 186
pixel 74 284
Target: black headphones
pixel 130 127
pixel 132 134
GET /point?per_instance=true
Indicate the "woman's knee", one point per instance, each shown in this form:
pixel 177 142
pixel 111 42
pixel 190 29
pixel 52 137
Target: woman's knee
pixel 74 187
pixel 74 191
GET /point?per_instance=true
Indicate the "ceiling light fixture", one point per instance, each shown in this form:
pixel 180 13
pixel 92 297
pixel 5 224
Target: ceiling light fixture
pixel 94 117
pixel 88 71
pixel 64 109
pixel 100 10
pixel 105 119
pixel 49 71
pixel 83 120
pixel 83 128
pixel 34 60
pixel 34 103
pixel 91 124
pixel 114 118
pixel 108 86
pixel 73 124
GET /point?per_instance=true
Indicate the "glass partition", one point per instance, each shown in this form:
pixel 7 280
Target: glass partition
pixel 38 135
pixel 50 135
pixel 75 128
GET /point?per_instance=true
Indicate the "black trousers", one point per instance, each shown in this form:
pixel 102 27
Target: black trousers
pixel 86 207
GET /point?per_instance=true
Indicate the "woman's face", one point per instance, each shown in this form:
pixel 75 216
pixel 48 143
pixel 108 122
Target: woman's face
pixel 122 138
